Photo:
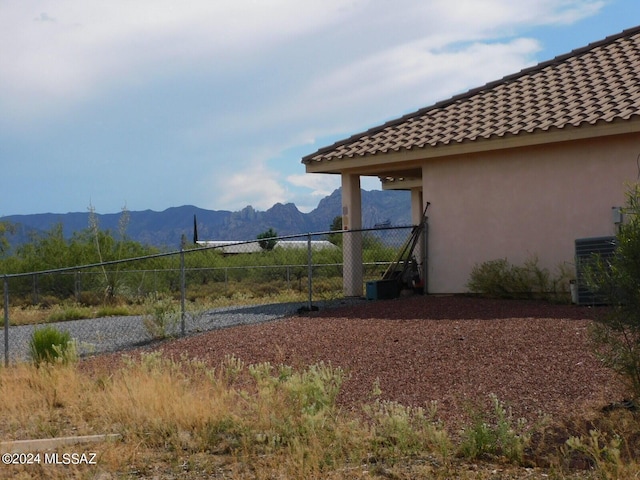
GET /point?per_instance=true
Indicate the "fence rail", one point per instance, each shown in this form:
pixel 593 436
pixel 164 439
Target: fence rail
pixel 208 282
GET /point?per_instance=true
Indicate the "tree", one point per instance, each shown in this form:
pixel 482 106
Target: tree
pixel 336 226
pixel 5 228
pixel 616 331
pixel 110 248
pixel 267 240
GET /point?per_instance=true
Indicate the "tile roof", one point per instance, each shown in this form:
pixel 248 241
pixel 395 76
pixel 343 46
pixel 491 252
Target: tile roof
pixel 594 84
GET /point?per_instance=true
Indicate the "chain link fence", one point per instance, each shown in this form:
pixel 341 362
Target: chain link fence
pixel 121 304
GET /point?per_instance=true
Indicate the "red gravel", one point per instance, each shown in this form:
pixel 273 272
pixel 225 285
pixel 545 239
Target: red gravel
pixel 454 350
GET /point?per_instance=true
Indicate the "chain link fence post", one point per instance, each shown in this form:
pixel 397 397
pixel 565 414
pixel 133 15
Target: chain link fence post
pixel 6 321
pixel 77 287
pixel 309 270
pixel 36 296
pixel 182 286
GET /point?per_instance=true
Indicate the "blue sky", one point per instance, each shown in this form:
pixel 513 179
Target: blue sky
pixel 150 104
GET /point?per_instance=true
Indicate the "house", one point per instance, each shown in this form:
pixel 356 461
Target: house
pixel 519 167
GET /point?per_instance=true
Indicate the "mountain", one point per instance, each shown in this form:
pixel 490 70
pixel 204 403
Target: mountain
pixel 165 229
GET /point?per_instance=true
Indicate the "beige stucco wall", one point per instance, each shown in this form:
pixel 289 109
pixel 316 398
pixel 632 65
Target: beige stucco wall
pixel 522 202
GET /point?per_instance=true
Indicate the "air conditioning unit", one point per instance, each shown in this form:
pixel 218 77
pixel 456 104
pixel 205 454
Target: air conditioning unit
pixel 586 251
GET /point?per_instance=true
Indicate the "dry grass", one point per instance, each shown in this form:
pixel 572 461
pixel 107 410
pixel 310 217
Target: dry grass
pixel 182 414
pixel 198 300
pixel 183 419
pixel 28 315
pixel 203 417
pixel 60 312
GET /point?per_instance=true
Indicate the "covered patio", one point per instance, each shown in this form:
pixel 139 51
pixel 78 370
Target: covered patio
pixel 519 167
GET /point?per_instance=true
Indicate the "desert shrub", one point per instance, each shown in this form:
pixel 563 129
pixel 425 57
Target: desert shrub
pixel 299 405
pixel 399 431
pixel 268 289
pixel 113 311
pixel 499 278
pixel 161 318
pixel 48 301
pixel 49 345
pixel 616 332
pixel 495 434
pixel 65 313
pixel 598 451
pixel 327 289
pixel 89 299
pixel 491 278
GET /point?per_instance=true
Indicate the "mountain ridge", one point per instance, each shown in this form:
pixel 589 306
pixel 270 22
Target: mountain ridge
pixel 166 228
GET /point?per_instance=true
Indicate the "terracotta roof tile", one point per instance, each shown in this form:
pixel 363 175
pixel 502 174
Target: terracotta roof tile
pixel 597 83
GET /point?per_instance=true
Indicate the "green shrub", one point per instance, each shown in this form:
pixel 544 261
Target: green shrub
pixel 66 313
pixel 162 318
pixel 49 345
pixel 501 279
pixel 496 434
pixel 616 332
pixel 399 431
pixel 267 240
pixel 602 452
pixel 491 278
pixel 113 311
pixel 89 299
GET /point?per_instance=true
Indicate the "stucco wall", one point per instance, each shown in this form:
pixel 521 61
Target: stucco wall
pixel 522 202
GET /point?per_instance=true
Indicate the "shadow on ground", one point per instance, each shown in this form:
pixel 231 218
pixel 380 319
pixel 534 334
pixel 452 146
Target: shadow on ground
pixel 456 307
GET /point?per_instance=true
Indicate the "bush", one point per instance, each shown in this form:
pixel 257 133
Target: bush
pixel 114 311
pixel 495 435
pixel 399 431
pixel 267 240
pixel 501 279
pixel 161 319
pixel 69 312
pixel 49 345
pixel 616 332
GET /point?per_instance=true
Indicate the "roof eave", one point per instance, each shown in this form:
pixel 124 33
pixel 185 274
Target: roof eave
pixel 373 164
pixel 328 150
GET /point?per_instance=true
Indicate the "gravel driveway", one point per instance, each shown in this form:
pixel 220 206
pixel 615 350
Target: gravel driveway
pixel 112 334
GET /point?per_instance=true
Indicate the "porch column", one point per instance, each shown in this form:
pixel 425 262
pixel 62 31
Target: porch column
pixel 352 275
pixel 417 208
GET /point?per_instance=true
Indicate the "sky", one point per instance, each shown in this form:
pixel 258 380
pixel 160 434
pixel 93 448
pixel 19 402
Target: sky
pixel 151 104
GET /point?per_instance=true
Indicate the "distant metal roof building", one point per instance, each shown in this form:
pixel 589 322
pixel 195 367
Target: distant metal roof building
pixel 231 247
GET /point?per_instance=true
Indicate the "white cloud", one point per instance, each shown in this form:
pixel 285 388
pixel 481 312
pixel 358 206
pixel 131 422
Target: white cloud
pixel 255 186
pixel 469 19
pixel 66 49
pixel 323 185
pixel 320 185
pixel 418 68
pixel 59 52
pixel 232 80
pixel 558 12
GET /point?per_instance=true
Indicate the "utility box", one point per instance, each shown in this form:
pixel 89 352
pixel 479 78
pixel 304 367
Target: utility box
pixel 382 289
pixel 586 251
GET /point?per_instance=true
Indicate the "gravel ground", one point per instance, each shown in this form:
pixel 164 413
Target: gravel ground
pixel 112 334
pixel 455 351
